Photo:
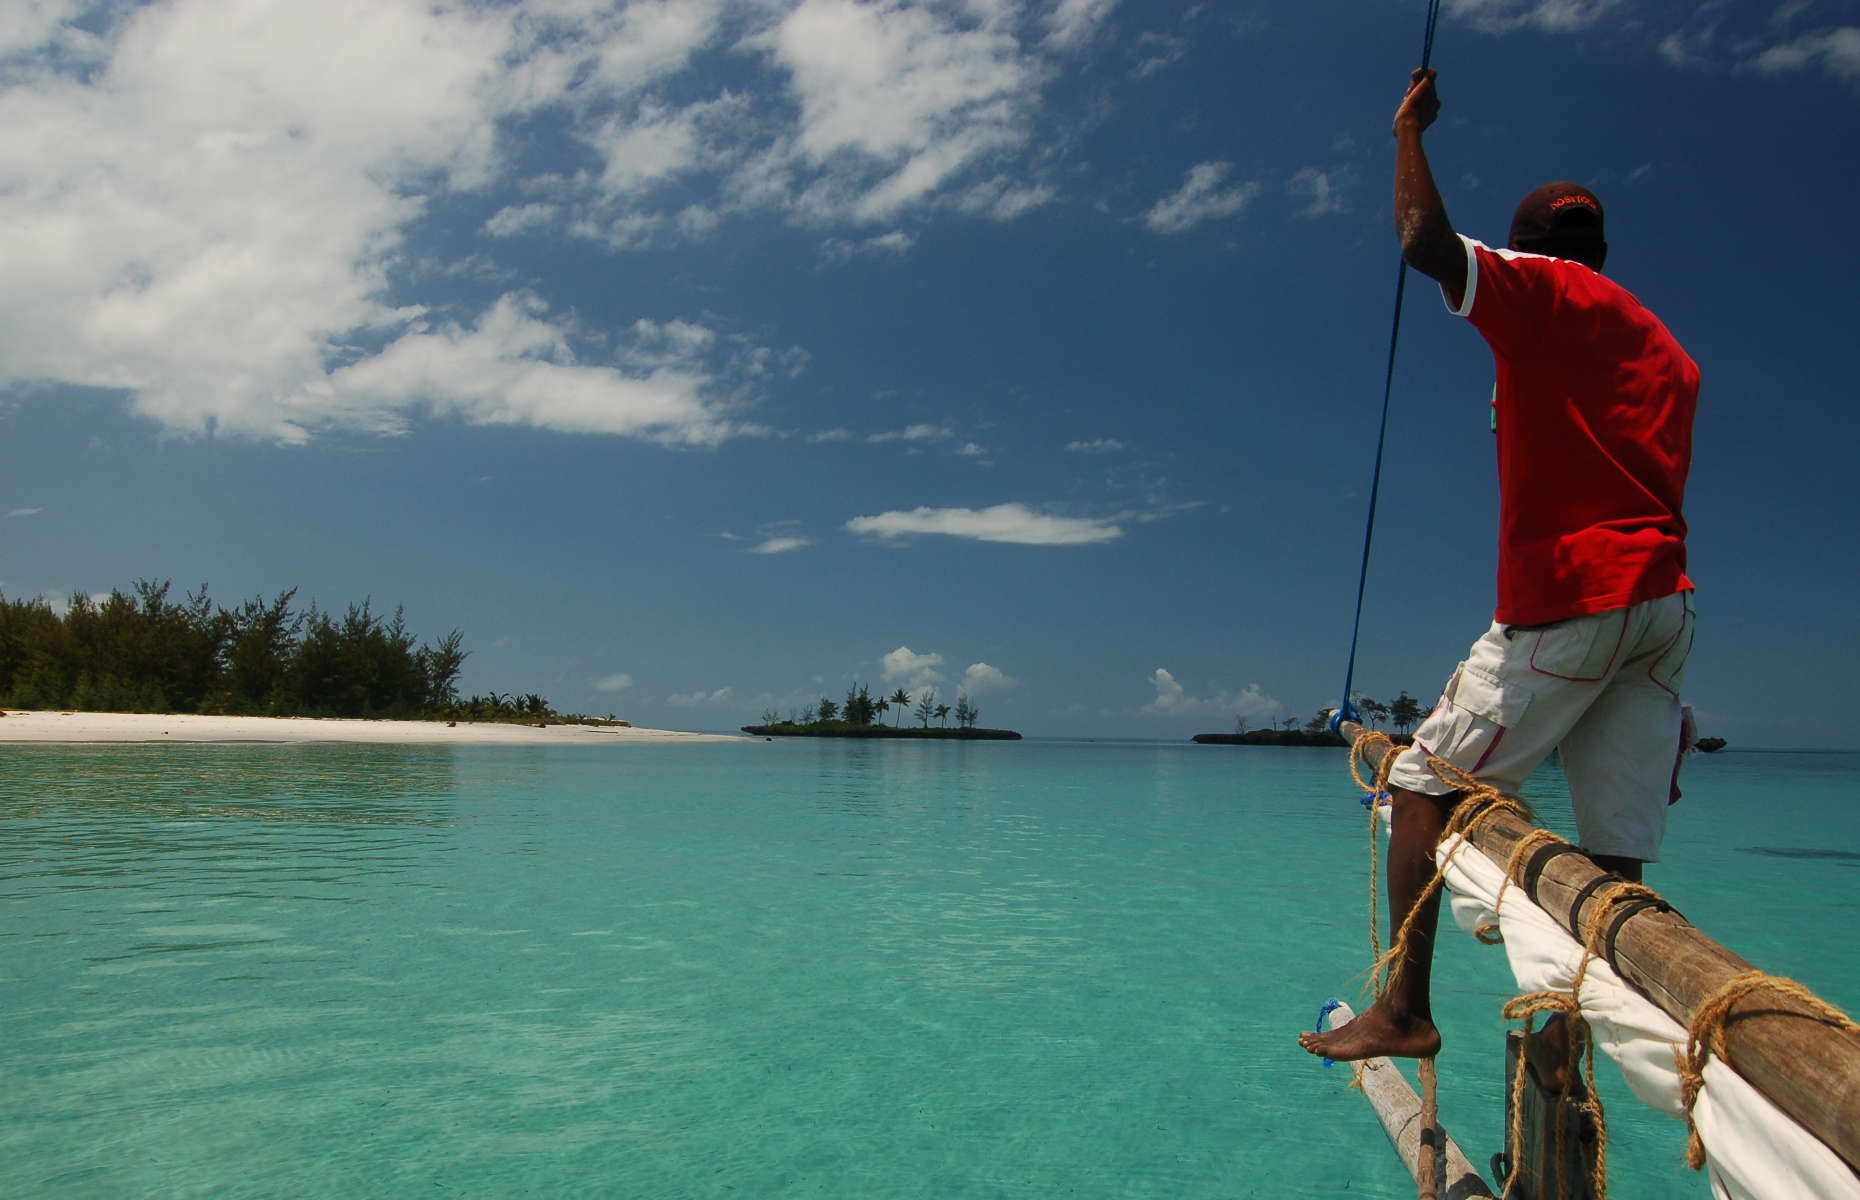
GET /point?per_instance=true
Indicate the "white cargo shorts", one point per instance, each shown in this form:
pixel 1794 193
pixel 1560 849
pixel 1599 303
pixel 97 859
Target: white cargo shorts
pixel 1604 687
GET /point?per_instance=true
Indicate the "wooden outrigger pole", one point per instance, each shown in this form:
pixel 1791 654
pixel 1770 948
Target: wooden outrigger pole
pixel 1807 1067
pixel 1440 1168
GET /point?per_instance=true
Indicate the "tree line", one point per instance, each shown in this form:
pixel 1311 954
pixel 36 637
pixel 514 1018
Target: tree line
pixel 861 709
pixel 143 651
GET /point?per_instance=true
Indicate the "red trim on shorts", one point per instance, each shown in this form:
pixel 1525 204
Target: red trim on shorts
pixel 1685 625
pixel 1488 750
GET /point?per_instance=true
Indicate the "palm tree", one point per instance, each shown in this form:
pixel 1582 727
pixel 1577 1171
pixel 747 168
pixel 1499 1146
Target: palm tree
pixel 881 704
pixel 901 700
pixel 942 715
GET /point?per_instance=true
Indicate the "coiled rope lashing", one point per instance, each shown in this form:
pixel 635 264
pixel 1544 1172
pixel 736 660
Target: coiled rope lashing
pixel 1345 709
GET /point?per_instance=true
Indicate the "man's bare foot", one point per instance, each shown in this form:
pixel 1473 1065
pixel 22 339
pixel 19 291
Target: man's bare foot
pixel 1373 1034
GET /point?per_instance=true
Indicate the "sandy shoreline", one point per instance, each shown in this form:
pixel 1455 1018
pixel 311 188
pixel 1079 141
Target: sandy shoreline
pixel 151 727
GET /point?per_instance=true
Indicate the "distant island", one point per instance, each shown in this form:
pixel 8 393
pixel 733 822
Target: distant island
pixel 1271 737
pixel 1710 745
pixel 859 717
pixel 1404 713
pixel 840 729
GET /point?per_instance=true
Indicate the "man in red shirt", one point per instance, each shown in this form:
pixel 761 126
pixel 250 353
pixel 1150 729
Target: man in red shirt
pixel 1593 419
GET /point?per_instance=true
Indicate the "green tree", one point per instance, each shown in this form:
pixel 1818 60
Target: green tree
pixel 926 707
pixel 1373 712
pixel 1405 713
pixel 827 710
pixel 901 700
pixel 966 712
pixel 860 707
pixel 260 637
pixel 942 715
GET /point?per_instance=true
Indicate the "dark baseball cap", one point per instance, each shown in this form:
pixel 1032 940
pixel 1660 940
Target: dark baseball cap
pixel 1564 219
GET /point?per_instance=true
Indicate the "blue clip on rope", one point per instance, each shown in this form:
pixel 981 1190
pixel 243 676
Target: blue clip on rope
pixel 1330 1006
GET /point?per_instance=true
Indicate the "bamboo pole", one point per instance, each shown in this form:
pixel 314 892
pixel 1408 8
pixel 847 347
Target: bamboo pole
pixel 1806 1067
pixel 1418 1142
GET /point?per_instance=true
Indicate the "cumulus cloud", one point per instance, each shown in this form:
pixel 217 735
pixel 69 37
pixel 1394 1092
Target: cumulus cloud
pixel 980 678
pixel 1200 198
pixel 1015 524
pixel 914 670
pixel 1173 700
pixel 613 683
pixel 207 213
pixel 516 367
pixel 701 698
pixel 780 545
pixel 210 208
pixel 895 102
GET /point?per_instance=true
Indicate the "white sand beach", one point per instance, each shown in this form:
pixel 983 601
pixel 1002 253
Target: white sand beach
pixel 150 727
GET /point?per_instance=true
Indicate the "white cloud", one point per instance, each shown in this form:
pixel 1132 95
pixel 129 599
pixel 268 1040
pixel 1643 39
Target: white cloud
pixel 1071 23
pixel 1004 199
pixel 514 367
pixel 910 668
pixel 1556 16
pixel 1318 189
pixel 895 244
pixel 980 678
pixel 1837 51
pixel 1015 524
pixel 973 450
pixel 1173 700
pixel 613 683
pixel 33 23
pixel 1158 52
pixel 208 218
pixel 832 435
pixel 1098 446
pixel 702 699
pixel 895 102
pixel 12 514
pixel 780 545
pixel 520 218
pixel 1200 198
pixel 914 433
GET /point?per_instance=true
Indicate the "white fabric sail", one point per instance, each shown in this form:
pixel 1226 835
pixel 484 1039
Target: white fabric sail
pixel 1753 1150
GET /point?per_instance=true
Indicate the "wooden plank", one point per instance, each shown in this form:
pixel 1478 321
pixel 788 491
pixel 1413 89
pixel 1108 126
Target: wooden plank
pixel 1806 1067
pixel 1535 1162
pixel 1446 1176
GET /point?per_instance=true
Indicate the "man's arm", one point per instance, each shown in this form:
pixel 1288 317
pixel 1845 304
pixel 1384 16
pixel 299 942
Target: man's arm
pixel 1428 242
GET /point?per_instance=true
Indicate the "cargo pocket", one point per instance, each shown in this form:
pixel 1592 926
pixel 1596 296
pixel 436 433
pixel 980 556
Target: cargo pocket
pixel 1468 727
pixel 1581 649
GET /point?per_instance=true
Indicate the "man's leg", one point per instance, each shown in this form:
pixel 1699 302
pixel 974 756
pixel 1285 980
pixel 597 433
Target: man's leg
pixel 1401 1023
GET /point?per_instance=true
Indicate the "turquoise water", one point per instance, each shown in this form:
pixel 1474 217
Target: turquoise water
pixel 805 968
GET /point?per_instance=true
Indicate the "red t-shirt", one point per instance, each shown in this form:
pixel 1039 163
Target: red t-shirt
pixel 1594 422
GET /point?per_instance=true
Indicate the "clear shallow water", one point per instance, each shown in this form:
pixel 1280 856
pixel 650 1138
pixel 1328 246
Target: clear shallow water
pixel 794 968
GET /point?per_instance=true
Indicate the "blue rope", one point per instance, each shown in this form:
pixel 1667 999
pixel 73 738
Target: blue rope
pixel 1330 1006
pixel 1346 711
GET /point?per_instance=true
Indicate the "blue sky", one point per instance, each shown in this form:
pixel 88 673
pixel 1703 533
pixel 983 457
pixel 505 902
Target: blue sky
pixel 698 357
